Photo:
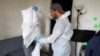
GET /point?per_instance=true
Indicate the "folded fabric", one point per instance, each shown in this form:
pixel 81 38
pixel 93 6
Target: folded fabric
pixel 36 51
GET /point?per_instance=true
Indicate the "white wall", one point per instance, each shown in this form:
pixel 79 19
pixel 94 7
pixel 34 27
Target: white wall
pixel 86 20
pixel 11 18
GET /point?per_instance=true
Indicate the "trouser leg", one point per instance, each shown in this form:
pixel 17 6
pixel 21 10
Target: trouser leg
pixel 28 50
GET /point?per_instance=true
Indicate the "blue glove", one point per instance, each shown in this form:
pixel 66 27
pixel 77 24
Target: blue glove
pixel 37 39
pixel 35 8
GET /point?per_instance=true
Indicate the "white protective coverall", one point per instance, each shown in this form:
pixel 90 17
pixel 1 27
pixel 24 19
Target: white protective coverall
pixel 30 29
pixel 60 38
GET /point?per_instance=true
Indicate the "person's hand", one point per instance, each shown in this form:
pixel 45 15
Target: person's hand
pixel 35 8
pixel 37 39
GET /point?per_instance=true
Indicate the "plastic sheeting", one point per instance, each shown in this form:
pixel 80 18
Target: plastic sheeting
pixel 30 29
pixel 36 51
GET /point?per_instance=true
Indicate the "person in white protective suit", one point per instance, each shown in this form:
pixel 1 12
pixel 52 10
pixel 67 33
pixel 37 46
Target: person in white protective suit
pixel 62 32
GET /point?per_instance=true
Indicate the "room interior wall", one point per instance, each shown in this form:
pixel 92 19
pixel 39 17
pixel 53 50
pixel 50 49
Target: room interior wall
pixel 11 18
pixel 86 20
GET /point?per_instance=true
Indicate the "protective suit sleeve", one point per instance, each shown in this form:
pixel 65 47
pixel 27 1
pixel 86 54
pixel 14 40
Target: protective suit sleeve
pixel 51 38
pixel 44 13
pixel 56 34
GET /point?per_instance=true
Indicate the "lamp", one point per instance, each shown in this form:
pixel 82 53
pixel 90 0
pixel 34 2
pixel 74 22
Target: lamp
pixel 81 10
pixel 81 35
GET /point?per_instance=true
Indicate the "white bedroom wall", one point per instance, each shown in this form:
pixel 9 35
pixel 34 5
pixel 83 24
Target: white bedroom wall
pixel 86 20
pixel 11 18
